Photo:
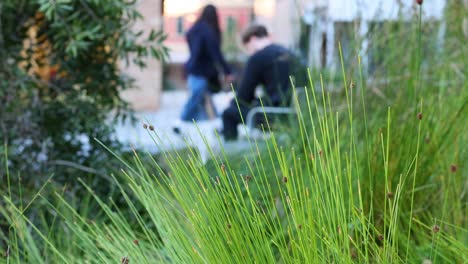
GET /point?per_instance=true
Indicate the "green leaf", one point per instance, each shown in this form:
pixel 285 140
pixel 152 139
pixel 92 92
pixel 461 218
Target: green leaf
pixel 152 35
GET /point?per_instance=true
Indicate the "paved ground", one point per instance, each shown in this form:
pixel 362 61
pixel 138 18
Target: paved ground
pixel 163 120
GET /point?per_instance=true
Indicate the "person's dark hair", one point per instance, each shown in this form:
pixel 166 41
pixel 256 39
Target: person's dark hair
pixel 258 31
pixel 209 15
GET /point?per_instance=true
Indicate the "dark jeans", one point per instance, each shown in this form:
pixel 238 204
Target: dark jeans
pixel 231 118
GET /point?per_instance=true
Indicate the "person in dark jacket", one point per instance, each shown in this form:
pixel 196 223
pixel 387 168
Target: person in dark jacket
pixel 268 65
pixel 204 41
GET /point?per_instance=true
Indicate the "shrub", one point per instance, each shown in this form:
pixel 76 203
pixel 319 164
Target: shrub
pixel 60 83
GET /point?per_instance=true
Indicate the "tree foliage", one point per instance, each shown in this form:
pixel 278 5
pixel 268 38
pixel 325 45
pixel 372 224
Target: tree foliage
pixel 60 80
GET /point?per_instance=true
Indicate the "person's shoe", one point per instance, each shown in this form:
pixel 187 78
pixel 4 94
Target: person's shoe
pixel 219 131
pixel 229 138
pixel 222 134
pixel 176 130
pixel 176 127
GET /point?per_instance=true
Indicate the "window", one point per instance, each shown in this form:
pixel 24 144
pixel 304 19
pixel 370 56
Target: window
pixel 345 34
pixel 180 25
pixel 229 37
pixel 231 25
pixel 323 50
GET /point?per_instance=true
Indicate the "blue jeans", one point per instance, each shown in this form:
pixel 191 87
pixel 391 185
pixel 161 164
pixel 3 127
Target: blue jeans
pixel 194 108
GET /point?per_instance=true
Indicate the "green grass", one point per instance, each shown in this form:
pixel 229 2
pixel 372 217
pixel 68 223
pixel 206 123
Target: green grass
pixel 340 192
pixel 362 177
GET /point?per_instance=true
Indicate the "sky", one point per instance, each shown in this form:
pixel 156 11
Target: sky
pixel 181 7
pixel 178 7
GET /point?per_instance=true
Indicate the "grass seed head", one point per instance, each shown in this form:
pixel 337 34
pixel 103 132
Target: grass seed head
pixel 420 115
pixel 453 168
pixel 435 229
pixel 390 195
pixel 124 260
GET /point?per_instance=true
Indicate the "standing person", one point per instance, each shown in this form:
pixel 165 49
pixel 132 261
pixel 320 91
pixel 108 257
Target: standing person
pixel 204 41
pixel 268 65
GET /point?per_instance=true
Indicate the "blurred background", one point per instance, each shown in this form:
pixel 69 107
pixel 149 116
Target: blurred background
pixel 84 83
pixel 74 72
pixel 311 28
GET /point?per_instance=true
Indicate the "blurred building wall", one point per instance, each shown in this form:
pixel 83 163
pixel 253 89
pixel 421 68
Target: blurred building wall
pixel 325 18
pixel 149 80
pixel 176 23
pixel 179 15
pixel 282 18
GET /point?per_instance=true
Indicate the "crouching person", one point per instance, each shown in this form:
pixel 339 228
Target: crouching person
pixel 268 65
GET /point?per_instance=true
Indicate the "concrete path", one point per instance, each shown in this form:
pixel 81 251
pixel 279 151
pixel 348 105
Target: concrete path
pixel 162 121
